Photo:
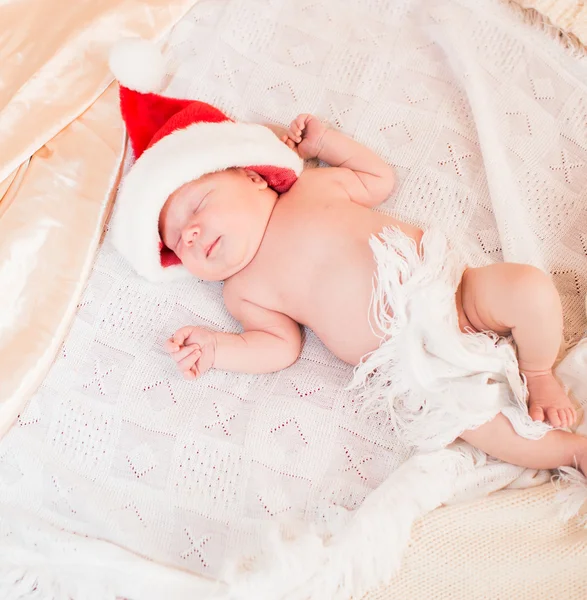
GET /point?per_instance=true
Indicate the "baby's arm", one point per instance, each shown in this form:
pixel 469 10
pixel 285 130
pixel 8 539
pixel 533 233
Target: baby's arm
pixel 368 179
pixel 271 341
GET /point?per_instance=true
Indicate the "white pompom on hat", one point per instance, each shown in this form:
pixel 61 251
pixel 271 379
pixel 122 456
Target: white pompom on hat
pixel 137 64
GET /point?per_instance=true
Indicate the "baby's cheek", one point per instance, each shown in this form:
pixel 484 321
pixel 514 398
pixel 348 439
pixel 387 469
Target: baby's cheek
pixel 196 268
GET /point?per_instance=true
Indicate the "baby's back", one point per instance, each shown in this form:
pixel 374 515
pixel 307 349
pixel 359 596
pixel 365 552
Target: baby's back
pixel 316 266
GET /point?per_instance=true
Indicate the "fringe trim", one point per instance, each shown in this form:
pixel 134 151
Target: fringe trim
pixel 39 561
pixel 573 496
pixel 434 380
pixel 567 40
pixel 20 583
pixel 368 551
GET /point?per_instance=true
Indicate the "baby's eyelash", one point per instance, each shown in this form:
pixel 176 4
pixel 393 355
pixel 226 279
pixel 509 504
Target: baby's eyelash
pixel 201 202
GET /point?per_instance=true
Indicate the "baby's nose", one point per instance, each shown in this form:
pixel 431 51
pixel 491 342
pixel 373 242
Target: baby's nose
pixel 191 234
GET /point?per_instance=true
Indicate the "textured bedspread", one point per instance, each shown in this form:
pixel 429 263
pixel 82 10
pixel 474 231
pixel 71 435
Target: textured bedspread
pixel 267 483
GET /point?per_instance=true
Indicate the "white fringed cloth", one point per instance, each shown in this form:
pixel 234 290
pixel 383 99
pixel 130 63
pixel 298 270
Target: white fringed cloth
pixel 277 486
pixel 432 379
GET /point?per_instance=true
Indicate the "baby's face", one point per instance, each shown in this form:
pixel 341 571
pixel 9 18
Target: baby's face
pixel 215 224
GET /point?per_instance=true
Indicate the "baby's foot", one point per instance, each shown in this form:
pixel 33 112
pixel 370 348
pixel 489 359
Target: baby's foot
pixel 548 402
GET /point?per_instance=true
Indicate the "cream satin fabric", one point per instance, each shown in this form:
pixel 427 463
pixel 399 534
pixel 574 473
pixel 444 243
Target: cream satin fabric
pixel 62 142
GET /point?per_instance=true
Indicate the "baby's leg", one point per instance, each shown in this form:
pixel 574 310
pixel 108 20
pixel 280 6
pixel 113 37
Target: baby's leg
pixel 556 449
pixel 521 299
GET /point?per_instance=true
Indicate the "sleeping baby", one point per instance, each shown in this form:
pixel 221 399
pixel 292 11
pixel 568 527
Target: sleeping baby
pixel 228 201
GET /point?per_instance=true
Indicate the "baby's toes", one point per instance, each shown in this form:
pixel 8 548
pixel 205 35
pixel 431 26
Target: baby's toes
pixel 536 413
pixel 571 416
pixel 553 417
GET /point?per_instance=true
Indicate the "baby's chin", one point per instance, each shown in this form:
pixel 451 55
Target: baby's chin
pixel 220 269
pixel 219 274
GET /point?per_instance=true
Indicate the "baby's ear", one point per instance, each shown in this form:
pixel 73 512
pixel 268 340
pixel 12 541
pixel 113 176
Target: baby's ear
pixel 256 178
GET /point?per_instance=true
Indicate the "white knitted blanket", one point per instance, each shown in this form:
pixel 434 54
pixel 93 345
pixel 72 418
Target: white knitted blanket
pixel 265 483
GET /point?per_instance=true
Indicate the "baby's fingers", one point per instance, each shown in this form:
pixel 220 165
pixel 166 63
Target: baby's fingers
pixel 188 360
pixel 289 141
pixel 171 346
pixel 195 371
pixel 293 136
pixel 192 373
pixel 297 127
pixel 301 121
pixel 181 335
pixel 183 352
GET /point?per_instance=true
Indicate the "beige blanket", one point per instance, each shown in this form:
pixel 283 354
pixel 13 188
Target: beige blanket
pixel 568 16
pixel 44 270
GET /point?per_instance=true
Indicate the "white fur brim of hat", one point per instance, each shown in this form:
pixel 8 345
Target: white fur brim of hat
pixel 176 159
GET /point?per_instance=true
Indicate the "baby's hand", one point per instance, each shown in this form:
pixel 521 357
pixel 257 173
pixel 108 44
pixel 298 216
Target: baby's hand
pixel 306 136
pixel 193 349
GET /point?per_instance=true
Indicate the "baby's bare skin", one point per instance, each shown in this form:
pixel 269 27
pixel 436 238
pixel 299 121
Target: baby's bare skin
pixel 315 264
pixel 304 258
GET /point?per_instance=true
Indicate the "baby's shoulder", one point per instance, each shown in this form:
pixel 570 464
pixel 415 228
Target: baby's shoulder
pixel 314 174
pixel 325 181
pixel 243 286
pixel 232 294
pixel 242 295
pixel 233 288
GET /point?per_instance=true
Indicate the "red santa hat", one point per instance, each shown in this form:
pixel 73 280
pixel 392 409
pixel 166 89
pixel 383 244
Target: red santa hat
pixel 175 142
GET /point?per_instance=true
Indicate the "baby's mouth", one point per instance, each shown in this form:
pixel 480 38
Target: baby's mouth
pixel 211 247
